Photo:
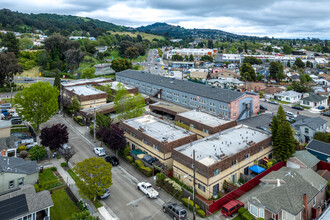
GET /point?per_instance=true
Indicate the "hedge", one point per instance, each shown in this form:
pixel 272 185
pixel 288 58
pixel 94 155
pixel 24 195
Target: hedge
pixel 247 216
pixel 260 219
pixel 53 169
pixel 191 203
pixel 64 164
pixel 21 129
pixel 130 159
pixel 201 213
pixel 140 163
pixel 21 148
pixel 241 210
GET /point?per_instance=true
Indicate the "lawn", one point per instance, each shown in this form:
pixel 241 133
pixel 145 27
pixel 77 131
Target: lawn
pixel 63 207
pixel 9 100
pixel 303 106
pixel 149 37
pixel 282 102
pixel 47 180
pixel 34 72
pixel 73 175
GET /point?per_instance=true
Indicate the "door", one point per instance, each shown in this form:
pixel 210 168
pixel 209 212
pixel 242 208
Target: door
pixel 246 170
pixel 215 190
pixel 234 178
pixel 133 146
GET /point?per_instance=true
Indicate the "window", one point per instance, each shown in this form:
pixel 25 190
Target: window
pixel 212 110
pixel 234 114
pixel 176 99
pixel 261 213
pixel 314 202
pixel 184 96
pixel 201 187
pixel 21 181
pixel 175 94
pixel 11 184
pixel 202 101
pixel 246 156
pixel 145 141
pixel 216 172
pixel 306 130
pixel 133 135
pixel 192 126
pixel 193 99
pixel 184 101
pixel 205 131
pixel 234 162
pixel 212 104
pixel 253 210
pixel 156 147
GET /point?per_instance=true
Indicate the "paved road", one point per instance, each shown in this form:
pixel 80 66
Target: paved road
pixel 125 200
pixel 20 79
pixel 153 65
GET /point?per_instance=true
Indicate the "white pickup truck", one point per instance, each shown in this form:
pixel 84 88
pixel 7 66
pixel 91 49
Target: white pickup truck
pixel 147 189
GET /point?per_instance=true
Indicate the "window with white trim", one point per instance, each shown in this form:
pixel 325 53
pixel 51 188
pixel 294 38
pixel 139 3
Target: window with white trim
pixel 261 213
pixel 212 104
pixel 234 162
pixel 156 147
pixel 21 181
pixel 201 187
pixel 253 210
pixel 11 184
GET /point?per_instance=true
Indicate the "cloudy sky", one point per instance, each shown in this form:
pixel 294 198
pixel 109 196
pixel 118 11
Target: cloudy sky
pixel 273 18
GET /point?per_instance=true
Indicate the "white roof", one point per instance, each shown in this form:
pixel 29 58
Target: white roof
pixel 203 118
pixel 289 93
pixel 114 85
pixel 214 148
pixel 85 81
pixel 158 129
pixel 84 90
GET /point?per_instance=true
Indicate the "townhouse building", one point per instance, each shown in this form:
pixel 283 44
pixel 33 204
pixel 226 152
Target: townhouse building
pixel 223 102
pixel 224 156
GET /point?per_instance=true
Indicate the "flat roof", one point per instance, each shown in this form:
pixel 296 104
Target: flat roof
pixel 203 118
pixel 84 81
pixel 84 90
pixel 157 128
pixel 98 108
pixel 214 148
pixel 171 107
pixel 114 85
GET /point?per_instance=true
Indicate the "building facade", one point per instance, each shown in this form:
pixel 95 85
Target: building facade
pixel 223 102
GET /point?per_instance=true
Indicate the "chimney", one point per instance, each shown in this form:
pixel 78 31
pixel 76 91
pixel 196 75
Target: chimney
pixel 305 203
pixel 318 212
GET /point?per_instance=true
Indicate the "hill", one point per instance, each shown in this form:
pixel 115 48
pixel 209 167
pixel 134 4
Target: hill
pixel 179 32
pixel 50 23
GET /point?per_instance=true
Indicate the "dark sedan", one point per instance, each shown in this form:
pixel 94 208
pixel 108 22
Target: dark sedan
pixel 112 159
pixel 298 107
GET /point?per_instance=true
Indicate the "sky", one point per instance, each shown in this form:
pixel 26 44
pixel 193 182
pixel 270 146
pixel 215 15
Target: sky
pixel 272 18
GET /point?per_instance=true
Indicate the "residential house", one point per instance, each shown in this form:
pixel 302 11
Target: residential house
pixel 26 203
pixel 5 126
pixel 271 90
pixel 231 104
pixel 198 73
pixel 255 87
pixel 204 124
pixel 314 101
pixel 320 149
pixel 223 73
pixel 8 146
pixel 305 128
pixel 17 172
pixel 224 156
pixel 103 69
pixel 303 159
pixel 289 96
pixel 156 137
pixel 229 83
pixel 101 49
pixel 288 194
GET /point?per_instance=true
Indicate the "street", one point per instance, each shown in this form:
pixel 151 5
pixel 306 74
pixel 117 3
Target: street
pixel 154 63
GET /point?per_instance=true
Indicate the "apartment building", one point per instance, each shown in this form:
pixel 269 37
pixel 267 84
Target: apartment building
pixel 155 136
pixel 224 156
pixel 223 102
pixel 204 124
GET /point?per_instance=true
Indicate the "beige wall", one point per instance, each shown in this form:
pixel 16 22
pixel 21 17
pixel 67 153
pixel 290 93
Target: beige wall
pixel 6 177
pixel 90 103
pixel 4 132
pixel 179 170
pixel 165 158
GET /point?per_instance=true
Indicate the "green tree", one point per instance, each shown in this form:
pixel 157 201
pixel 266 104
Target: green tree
pixel 37 152
pixel 8 68
pixel 191 58
pixel 287 49
pixel 73 57
pixel 10 41
pixel 252 60
pixel 132 52
pixel 73 106
pixel 325 137
pixel 57 81
pixel 88 73
pixel 207 58
pixel 25 43
pixel 95 176
pixel 210 44
pixel 276 71
pixel 37 103
pixel 247 72
pixel 103 120
pixel 299 63
pixel 121 65
pixel 83 215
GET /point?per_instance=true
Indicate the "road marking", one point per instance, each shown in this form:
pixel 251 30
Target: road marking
pixel 134 201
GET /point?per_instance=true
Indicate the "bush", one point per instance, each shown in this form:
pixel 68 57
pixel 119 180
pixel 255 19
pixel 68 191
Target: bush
pixel 91 129
pixel 201 213
pixel 53 169
pixel 23 154
pixel 273 161
pixel 247 216
pixel 140 164
pixel 21 148
pixel 160 178
pixel 126 151
pixel 130 159
pixel 191 203
pixel 134 164
pixel 260 219
pixel 147 171
pixel 79 120
pixel 64 164
pixel 241 210
pixel 58 156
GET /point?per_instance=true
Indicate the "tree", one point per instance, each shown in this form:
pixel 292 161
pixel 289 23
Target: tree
pixel 25 43
pixel 299 63
pixel 67 154
pixel 9 67
pixel 56 45
pixel 287 49
pixel 132 52
pixel 83 215
pixel 207 58
pixel 282 136
pixel 288 63
pixel 88 73
pixel 37 103
pixel 252 60
pixel 191 58
pixel 303 84
pixel 73 58
pixel 276 71
pixel 210 44
pixel 247 72
pixel 95 176
pixel 245 47
pixel 325 137
pixel 121 65
pixel 103 120
pixel 37 152
pixel 117 140
pixel 123 46
pixel 57 81
pixel 10 41
pixel 139 38
pixel 55 136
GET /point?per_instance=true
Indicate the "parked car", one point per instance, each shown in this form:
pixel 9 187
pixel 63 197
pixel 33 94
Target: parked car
pixel 262 107
pixel 105 195
pixel 147 189
pixel 263 129
pixel 28 79
pixel 231 208
pixel 149 159
pixel 327 113
pixel 5 106
pixel 20 135
pixel 174 210
pixel 273 102
pixel 298 107
pixel 112 159
pixel 29 146
pixel 99 151
pixel 321 107
pixel 5 112
pixel 16 120
pixel 290 114
pixel 290 119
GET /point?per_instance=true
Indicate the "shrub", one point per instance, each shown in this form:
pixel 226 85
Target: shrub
pixel 134 164
pixel 191 203
pixel 91 129
pixel 260 219
pixel 140 164
pixel 21 148
pixel 58 156
pixel 241 210
pixel 160 177
pixel 126 151
pixel 201 213
pixel 273 161
pixel 23 154
pixel 130 159
pixel 147 171
pixel 64 164
pixel 53 169
pixel 247 216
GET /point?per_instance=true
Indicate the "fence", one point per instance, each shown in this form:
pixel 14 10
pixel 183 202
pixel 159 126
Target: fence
pixel 217 205
pixel 323 166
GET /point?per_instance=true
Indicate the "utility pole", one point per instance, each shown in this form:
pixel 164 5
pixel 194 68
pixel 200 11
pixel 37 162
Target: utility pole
pixel 11 95
pixel 94 122
pixel 194 182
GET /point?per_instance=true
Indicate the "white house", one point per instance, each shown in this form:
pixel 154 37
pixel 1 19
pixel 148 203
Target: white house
pixel 314 101
pixel 305 128
pixel 289 96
